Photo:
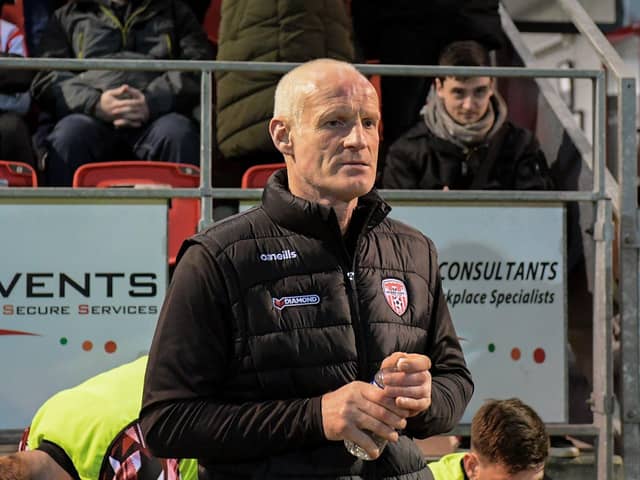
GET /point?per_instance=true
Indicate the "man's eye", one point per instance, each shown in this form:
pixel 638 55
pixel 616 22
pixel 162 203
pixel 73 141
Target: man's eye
pixel 368 123
pixel 333 123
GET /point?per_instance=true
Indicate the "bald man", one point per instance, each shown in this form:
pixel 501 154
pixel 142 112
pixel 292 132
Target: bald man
pixel 277 319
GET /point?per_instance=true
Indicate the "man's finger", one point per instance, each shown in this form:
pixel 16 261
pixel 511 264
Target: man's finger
pixel 392 360
pixel 414 404
pixel 413 362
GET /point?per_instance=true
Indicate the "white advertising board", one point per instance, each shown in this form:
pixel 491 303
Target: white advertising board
pixel 81 285
pixel 503 275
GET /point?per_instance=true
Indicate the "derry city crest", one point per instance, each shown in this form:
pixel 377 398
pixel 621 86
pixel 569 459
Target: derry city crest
pixel 395 293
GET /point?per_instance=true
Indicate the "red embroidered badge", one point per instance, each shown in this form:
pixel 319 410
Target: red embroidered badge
pixel 395 292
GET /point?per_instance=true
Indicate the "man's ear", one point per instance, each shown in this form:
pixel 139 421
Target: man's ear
pixel 470 462
pixel 439 86
pixel 280 135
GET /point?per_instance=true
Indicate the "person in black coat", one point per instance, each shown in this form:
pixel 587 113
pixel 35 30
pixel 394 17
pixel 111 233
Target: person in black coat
pixel 414 32
pixel 464 140
pixel 284 313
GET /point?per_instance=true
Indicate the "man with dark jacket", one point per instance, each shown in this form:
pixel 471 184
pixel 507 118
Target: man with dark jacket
pixel 464 140
pixel 277 319
pixel 110 115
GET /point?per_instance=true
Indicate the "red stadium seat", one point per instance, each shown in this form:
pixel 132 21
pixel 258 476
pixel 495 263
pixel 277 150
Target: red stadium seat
pixel 257 176
pixel 18 174
pixel 184 213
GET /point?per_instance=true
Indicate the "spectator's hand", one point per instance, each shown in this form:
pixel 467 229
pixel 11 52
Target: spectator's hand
pixel 408 381
pixel 134 111
pixel 124 106
pixel 355 410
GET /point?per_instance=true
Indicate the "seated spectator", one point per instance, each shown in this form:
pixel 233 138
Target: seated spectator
pixel 464 140
pixel 15 100
pixel 410 32
pixel 508 440
pixel 90 432
pixel 110 115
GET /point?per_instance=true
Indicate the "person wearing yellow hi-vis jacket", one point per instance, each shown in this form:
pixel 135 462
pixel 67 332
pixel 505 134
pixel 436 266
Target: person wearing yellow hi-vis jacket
pixel 90 432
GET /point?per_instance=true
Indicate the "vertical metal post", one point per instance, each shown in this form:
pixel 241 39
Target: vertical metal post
pixel 602 296
pixel 206 159
pixel 603 399
pixel 600 133
pixel 629 281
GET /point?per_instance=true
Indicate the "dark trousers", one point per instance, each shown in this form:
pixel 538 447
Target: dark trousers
pixel 78 139
pixel 15 139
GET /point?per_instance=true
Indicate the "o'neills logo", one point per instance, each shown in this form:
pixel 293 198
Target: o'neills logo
pixel 298 300
pixel 283 255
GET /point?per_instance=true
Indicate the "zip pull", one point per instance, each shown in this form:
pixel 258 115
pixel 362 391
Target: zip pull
pixel 351 276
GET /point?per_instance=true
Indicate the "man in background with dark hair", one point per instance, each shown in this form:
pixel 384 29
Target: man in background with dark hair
pixel 508 441
pixel 464 140
pixel 409 32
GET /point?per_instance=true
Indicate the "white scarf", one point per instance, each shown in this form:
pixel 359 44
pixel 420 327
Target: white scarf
pixel 443 126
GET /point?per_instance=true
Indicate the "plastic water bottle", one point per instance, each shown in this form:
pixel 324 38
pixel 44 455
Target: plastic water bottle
pixel 355 449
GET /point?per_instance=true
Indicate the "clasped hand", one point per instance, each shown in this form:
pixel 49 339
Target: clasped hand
pixel 358 409
pixel 124 106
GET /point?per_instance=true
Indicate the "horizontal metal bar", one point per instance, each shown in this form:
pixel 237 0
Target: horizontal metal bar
pixel 435 71
pixel 280 67
pixel 256 194
pixel 96 193
pixel 489 196
pixel 9 437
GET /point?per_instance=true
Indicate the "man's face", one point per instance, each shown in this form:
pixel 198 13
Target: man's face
pixel 466 101
pixel 479 469
pixel 335 139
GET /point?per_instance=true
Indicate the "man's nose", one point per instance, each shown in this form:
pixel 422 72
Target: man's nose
pixel 467 102
pixel 355 137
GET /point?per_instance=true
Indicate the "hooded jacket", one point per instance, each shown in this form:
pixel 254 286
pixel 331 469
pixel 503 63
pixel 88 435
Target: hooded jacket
pixel 267 31
pixel 148 30
pixel 269 310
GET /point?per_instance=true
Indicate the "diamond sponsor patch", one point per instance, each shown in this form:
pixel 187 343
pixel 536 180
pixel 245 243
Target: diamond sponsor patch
pixel 395 293
pixel 296 301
